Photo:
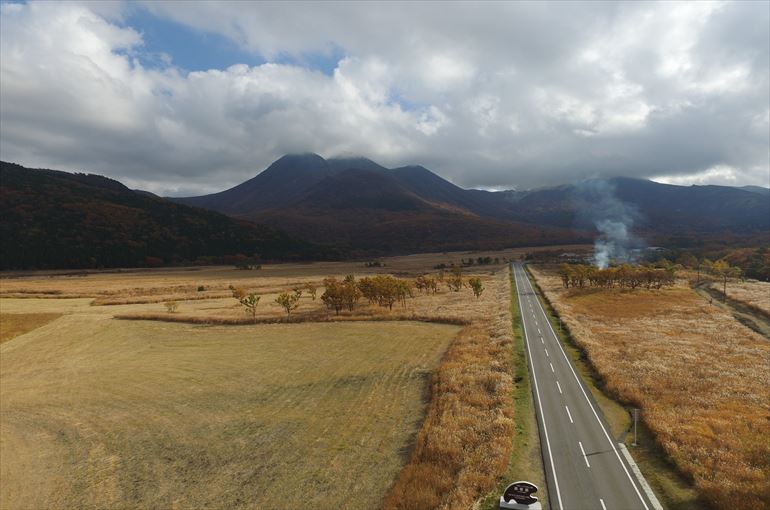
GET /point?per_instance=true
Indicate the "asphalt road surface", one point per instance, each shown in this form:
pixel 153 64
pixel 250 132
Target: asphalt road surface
pixel 585 469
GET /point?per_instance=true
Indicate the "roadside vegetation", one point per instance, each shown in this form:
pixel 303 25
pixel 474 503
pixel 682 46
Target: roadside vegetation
pixel 465 442
pixel 753 294
pixel 699 377
pixel 525 462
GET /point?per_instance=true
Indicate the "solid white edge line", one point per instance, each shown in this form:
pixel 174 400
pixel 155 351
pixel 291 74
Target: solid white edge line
pixel 559 386
pixel 647 489
pixel 604 507
pixel 596 415
pixel 537 391
pixel 585 457
pixel 569 415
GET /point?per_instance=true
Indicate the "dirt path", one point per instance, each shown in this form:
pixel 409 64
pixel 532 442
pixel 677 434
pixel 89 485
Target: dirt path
pixel 742 313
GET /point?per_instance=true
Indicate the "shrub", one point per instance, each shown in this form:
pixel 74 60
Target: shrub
pixel 288 301
pixel 171 306
pixel 476 285
pixel 250 302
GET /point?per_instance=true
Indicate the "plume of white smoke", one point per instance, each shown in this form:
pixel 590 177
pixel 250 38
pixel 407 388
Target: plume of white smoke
pixel 614 219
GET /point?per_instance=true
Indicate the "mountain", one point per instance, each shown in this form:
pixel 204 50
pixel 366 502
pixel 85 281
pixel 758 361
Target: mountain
pixel 358 203
pixel 282 182
pixel 53 219
pixel 655 207
pixel 371 212
pixel 757 189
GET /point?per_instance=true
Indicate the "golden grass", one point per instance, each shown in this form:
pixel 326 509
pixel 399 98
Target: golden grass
pixel 108 414
pixel 465 441
pixel 470 404
pixel 13 325
pixel 700 378
pixel 754 294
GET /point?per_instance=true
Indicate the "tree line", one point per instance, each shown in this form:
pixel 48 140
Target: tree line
pixel 382 290
pixel 623 276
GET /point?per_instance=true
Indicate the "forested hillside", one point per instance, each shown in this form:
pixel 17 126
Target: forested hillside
pixel 52 219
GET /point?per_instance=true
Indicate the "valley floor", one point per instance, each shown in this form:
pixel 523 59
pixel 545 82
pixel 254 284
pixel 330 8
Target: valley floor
pixel 99 412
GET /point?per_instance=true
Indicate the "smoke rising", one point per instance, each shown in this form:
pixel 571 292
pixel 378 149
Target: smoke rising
pixel 614 220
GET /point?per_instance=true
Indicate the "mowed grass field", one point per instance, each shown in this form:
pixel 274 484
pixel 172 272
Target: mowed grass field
pixel 100 413
pixel 701 379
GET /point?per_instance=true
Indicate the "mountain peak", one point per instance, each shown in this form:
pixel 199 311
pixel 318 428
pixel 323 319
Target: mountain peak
pixel 356 162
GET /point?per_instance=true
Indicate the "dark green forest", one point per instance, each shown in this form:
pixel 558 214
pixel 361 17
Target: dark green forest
pixel 53 219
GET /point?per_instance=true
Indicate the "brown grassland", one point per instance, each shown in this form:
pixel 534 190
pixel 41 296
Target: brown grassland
pixel 699 376
pixel 13 325
pixel 754 294
pixel 98 412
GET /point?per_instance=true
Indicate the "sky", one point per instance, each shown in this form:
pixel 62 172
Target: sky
pixel 186 98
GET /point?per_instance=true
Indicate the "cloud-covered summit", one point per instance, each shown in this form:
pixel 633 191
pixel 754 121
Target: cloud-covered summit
pixel 493 95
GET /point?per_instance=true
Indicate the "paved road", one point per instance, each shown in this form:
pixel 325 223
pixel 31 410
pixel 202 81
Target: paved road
pixel 585 469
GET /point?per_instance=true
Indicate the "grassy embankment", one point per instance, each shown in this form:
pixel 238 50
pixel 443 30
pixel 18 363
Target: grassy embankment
pixel 699 377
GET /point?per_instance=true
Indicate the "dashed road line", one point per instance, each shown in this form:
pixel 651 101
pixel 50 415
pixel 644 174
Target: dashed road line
pixel 569 415
pixel 552 370
pixel 559 386
pixel 584 454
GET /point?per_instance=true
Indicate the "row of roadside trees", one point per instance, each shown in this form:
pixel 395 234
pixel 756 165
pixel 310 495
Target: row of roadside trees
pixel 642 276
pixel 624 276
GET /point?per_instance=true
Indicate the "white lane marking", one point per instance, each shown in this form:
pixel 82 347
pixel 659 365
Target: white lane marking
pixel 559 386
pixel 539 332
pixel 552 370
pixel 546 353
pixel 645 486
pixel 542 341
pixel 601 425
pixel 603 505
pixel 539 403
pixel 584 454
pixel 568 414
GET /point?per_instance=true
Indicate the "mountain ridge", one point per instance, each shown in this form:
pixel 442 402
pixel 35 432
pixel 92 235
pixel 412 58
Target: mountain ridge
pixel 68 220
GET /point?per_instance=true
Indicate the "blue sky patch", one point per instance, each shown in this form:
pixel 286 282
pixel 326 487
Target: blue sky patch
pixel 191 49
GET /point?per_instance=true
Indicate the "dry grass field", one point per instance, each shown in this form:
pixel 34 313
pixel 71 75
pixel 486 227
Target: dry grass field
pixel 700 378
pixel 13 325
pixel 754 294
pixel 98 412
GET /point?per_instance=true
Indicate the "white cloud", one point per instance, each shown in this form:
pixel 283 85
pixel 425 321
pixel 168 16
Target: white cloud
pixel 494 95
